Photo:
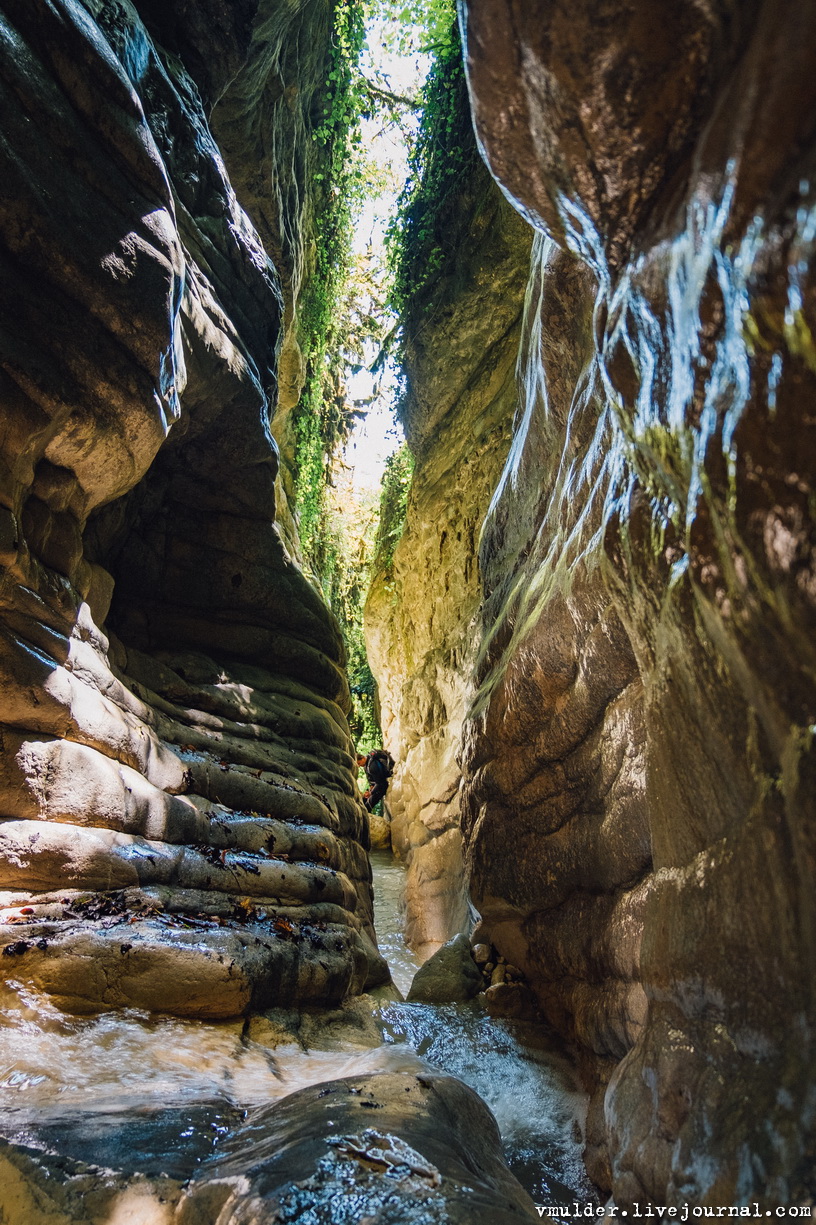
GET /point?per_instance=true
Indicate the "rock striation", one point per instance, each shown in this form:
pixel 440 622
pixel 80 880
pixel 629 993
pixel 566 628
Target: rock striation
pixel 180 828
pixel 261 69
pixel 638 801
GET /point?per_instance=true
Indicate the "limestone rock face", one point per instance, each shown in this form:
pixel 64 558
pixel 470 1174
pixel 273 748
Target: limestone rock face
pixel 421 617
pixel 180 827
pixel 261 69
pixel 638 804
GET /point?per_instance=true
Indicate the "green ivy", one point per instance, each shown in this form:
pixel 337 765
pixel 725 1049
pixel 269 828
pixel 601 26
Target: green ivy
pixel 345 546
pixel 347 601
pixel 443 158
pixel 444 152
pixel 415 25
pixel 339 183
pixel 394 491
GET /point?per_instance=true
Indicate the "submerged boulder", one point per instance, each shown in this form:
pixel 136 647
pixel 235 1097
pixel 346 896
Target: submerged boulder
pixel 400 1149
pixel 389 1148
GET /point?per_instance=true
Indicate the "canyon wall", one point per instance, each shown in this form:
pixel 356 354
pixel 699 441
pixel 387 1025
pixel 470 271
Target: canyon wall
pixel 638 802
pixel 181 829
pixel 421 616
pixel 261 70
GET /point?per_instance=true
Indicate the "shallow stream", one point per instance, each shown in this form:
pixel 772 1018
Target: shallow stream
pixel 155 1095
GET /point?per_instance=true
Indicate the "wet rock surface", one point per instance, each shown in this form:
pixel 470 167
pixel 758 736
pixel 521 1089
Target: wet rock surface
pixel 450 975
pixel 181 829
pixel 638 803
pixel 390 1146
pixel 387 1148
pixel 421 616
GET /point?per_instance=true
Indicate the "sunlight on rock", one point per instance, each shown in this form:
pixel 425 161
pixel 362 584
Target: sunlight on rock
pixel 407 443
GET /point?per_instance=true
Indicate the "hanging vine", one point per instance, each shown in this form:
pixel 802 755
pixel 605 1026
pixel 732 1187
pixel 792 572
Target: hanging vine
pixel 444 156
pixel 320 418
pixel 351 302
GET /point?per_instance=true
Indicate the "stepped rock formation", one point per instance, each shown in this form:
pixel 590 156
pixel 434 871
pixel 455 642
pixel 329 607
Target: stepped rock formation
pixel 421 615
pixel 639 795
pixel 180 828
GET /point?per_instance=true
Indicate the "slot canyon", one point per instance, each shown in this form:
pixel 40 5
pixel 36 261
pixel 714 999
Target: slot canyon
pixel 592 634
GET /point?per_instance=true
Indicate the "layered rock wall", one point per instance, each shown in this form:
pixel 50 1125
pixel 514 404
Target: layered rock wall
pixel 180 824
pixel 261 69
pixel 638 802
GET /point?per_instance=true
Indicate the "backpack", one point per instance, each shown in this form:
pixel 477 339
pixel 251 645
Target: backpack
pixel 380 765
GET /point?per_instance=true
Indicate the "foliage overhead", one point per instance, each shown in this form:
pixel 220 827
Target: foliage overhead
pixel 414 25
pixel 443 157
pixel 355 301
pixel 320 419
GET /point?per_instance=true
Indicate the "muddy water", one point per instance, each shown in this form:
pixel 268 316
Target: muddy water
pixel 156 1095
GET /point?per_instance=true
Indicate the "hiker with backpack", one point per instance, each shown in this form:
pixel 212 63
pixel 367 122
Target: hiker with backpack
pixel 379 766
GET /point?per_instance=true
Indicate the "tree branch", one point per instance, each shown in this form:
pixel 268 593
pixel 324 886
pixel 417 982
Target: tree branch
pixel 386 95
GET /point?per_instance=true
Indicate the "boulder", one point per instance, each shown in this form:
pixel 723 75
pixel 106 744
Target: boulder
pixel 409 1149
pixel 393 1148
pixel 379 832
pixel 450 976
pixel 512 1000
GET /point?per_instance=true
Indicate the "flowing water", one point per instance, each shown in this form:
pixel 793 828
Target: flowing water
pixel 140 1093
pixel 389 918
pixel 530 1087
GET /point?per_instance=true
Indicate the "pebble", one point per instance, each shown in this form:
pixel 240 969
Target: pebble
pixel 481 953
pixel 497 976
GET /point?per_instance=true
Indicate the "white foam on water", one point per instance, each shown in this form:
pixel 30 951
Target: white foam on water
pixel 121 1059
pixel 129 1061
pixel 531 1089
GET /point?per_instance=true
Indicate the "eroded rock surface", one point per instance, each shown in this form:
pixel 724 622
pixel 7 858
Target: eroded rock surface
pixel 261 68
pixel 450 975
pixel 180 824
pixel 421 616
pixel 639 766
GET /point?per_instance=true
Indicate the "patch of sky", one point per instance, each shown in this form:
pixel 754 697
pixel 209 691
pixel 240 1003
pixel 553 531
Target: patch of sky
pixel 394 67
